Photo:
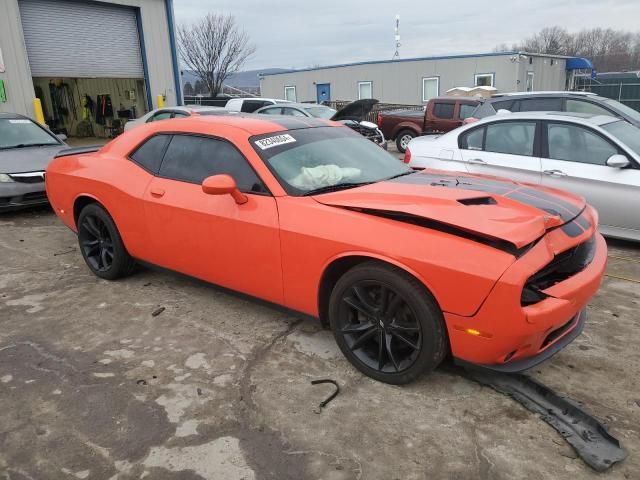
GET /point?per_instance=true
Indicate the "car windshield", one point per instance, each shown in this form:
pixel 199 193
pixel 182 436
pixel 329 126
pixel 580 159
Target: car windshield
pixel 626 133
pixel 322 159
pixel 321 112
pixel 22 132
pixel 628 111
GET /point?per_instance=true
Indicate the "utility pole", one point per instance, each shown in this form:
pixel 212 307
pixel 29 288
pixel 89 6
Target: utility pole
pixel 397 53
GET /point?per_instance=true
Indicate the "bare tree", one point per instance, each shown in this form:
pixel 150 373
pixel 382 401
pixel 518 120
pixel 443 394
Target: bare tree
pixel 214 48
pixel 608 49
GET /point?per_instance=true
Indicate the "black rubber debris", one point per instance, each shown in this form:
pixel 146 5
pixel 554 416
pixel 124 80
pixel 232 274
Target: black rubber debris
pixel 330 397
pixel 589 438
pixel 157 312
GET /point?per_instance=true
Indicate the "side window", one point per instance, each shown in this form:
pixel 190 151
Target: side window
pixel 577 144
pixel 503 105
pixel 149 154
pixel 293 112
pixel 180 115
pixel 192 159
pixel 159 116
pixel 472 140
pixel 580 106
pixel 250 106
pixel 541 104
pixel 466 110
pixel 272 111
pixel 443 110
pixel 515 138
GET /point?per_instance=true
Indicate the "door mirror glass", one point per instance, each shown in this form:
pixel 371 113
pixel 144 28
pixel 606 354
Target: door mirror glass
pixel 62 137
pixel 618 161
pixel 223 185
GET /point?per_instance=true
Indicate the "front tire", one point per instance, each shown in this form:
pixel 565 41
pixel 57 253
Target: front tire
pixel 386 324
pixel 101 244
pixel 403 139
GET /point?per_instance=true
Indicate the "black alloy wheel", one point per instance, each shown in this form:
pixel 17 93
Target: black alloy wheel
pixel 386 324
pixel 379 327
pixel 96 243
pixel 101 244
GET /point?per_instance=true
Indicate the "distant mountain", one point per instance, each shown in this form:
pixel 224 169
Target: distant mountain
pixel 248 79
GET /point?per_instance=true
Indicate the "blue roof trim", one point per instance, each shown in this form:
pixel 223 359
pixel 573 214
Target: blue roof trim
pixel 174 54
pixel 416 59
pixel 578 63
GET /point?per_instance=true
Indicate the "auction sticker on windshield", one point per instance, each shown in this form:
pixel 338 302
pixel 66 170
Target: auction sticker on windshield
pixel 274 141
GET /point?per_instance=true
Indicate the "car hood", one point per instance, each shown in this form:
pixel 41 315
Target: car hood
pixel 28 159
pixel 482 207
pixel 356 111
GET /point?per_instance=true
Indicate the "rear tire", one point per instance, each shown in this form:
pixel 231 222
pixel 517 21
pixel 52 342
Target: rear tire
pixel 101 244
pixel 386 324
pixel 403 139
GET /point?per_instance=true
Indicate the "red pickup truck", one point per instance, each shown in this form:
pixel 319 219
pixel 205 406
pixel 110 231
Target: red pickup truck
pixel 441 114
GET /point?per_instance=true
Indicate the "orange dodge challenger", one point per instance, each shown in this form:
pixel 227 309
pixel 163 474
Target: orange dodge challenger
pixel 403 266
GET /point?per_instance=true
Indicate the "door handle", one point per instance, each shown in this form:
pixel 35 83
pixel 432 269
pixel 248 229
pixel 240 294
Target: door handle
pixel 157 192
pixel 478 161
pixel 555 173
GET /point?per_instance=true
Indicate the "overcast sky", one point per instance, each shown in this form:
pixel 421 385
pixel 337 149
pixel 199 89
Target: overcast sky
pixel 303 33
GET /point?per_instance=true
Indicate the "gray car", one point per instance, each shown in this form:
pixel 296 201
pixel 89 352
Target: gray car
pixel 26 148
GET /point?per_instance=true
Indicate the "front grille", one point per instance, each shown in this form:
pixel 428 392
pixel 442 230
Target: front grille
pixel 31 177
pixel 563 266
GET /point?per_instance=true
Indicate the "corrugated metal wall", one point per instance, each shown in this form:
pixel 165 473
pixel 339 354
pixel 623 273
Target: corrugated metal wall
pixel 401 81
pixel 76 39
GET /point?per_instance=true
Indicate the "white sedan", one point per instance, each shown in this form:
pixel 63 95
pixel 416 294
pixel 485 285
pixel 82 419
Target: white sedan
pixel 171 112
pixel 595 156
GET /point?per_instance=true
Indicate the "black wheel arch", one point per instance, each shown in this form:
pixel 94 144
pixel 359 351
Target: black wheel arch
pixel 342 265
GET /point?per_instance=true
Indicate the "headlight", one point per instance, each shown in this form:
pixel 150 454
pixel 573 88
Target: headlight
pixel 4 178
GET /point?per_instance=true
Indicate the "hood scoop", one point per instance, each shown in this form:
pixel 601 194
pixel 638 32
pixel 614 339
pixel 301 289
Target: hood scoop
pixel 478 201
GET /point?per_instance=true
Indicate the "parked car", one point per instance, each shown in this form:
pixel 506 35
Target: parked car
pixel 571 102
pixel 166 113
pixel 251 104
pixel 26 148
pixel 353 115
pixel 595 156
pixel 323 222
pixel 298 110
pixel 441 114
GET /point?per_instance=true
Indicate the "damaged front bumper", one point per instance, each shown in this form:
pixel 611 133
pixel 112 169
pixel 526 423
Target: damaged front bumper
pixel 507 336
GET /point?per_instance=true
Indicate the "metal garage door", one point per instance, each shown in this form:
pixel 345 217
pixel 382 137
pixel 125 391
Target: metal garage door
pixel 81 39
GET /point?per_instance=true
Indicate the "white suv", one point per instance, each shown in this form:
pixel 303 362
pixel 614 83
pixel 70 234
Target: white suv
pixel 250 105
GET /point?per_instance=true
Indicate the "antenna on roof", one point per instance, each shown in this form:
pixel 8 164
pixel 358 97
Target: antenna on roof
pixel 398 44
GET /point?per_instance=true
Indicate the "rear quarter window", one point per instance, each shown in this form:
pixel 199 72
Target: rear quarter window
pixel 443 110
pixel 149 154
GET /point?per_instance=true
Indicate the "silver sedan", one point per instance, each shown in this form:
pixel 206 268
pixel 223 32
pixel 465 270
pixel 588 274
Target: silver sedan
pixel 26 149
pixel 595 156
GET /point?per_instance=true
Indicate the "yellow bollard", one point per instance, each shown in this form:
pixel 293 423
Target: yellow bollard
pixel 37 108
pixel 160 99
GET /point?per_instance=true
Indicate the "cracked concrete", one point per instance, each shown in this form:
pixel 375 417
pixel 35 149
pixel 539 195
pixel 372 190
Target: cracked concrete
pixel 92 386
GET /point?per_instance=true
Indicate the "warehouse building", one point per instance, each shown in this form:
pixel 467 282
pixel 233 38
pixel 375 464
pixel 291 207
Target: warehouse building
pixel 416 80
pixel 92 64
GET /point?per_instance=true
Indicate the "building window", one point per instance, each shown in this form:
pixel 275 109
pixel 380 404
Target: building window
pixel 430 88
pixel 484 79
pixel 290 93
pixel 365 90
pixel 530 76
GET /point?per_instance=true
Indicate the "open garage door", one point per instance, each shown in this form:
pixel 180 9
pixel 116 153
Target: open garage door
pixel 81 39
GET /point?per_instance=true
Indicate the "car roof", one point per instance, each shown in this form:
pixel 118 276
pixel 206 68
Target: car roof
pixel 295 105
pixel 549 93
pixel 12 115
pixel 583 118
pixel 250 123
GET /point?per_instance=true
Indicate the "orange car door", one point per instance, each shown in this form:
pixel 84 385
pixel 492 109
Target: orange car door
pixel 211 236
